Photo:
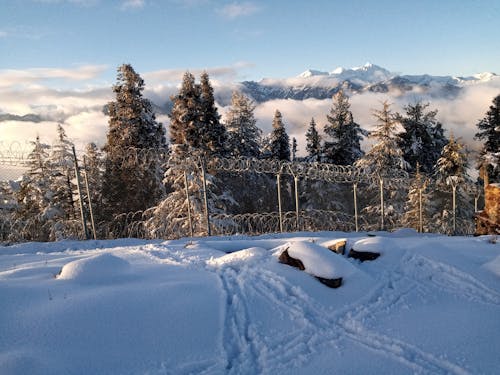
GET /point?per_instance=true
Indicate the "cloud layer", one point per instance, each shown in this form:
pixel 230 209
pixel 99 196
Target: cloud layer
pixel 24 92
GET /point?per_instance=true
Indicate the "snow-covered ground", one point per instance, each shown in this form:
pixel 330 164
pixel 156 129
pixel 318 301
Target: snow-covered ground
pixel 429 304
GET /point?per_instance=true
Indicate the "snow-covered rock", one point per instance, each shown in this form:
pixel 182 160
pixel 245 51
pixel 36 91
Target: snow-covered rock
pixel 96 269
pixel 318 260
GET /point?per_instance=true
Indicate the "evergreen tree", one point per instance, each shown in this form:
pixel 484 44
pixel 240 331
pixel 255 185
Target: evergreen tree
pixel 422 139
pixel 195 132
pixel 417 208
pixel 94 170
pixel 489 132
pixel 342 146
pixel 63 212
pixel 61 167
pixel 313 143
pixel 451 171
pixel 244 135
pixel 185 117
pixel 279 142
pixel 33 197
pixel 132 178
pixel 385 161
pixel 213 133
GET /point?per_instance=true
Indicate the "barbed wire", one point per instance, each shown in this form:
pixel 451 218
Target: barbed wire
pixel 316 171
pixel 14 153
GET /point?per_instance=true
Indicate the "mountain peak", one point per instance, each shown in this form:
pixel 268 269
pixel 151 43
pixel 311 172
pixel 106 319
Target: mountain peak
pixel 312 72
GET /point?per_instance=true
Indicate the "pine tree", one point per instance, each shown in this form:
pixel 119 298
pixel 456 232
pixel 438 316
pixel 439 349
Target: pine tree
pixel 279 142
pixel 33 197
pixel 342 146
pixel 385 161
pixel 422 139
pixel 195 132
pixel 93 170
pixel 132 178
pixel 61 167
pixel 417 208
pixel 451 171
pixel 244 135
pixel 489 132
pixel 185 117
pixel 313 143
pixel 213 134
pixel 62 213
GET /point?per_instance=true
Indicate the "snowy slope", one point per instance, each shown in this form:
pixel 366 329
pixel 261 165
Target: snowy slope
pixel 430 305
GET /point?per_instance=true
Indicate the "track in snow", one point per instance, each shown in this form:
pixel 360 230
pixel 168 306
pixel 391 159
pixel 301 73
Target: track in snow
pixel 312 327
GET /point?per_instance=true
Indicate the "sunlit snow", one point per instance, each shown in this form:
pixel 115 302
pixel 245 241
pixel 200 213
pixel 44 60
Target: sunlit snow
pixel 430 304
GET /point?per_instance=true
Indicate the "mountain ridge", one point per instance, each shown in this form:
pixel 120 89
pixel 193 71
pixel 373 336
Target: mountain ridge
pixel 317 84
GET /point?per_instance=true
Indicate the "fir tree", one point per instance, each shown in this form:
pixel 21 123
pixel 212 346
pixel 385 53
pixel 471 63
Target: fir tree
pixel 62 213
pixel 385 161
pixel 489 132
pixel 313 143
pixel 195 132
pixel 33 196
pixel 422 139
pixel 342 146
pixel 61 168
pixel 132 177
pixel 417 208
pixel 93 170
pixel 450 172
pixel 279 142
pixel 185 117
pixel 213 133
pixel 244 135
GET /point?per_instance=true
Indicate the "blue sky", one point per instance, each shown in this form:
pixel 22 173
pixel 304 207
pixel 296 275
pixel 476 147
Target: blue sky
pixel 250 39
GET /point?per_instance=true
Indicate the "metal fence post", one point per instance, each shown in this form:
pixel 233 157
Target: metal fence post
pixel 190 220
pixel 91 210
pixel 82 211
pixel 454 187
pixel 354 189
pixel 382 213
pixel 278 184
pixel 205 197
pixel 420 215
pixel 296 182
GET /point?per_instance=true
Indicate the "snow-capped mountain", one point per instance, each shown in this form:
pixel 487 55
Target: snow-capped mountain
pixel 367 78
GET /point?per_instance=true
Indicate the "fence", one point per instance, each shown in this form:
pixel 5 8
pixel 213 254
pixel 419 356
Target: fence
pixel 344 194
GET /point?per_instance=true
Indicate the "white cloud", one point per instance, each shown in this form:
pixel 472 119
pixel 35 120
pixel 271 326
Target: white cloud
pixel 235 10
pixel 3 34
pixel 173 76
pixel 12 77
pixel 132 4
